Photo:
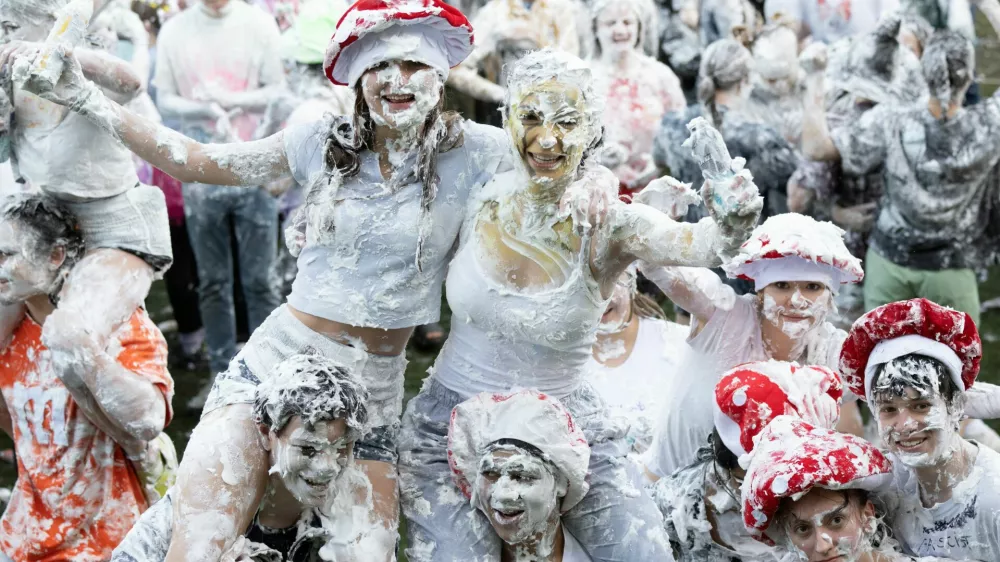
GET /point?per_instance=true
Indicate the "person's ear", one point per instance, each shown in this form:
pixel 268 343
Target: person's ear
pixel 265 435
pixel 58 256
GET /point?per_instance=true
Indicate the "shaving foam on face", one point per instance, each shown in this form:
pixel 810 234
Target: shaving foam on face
pixel 520 493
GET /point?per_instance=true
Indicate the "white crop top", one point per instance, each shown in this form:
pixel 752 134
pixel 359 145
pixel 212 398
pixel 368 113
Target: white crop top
pixel 502 339
pixel 368 276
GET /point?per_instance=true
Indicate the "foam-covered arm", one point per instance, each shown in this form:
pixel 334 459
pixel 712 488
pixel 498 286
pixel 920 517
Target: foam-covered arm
pixel 133 403
pixel 247 163
pixel 651 236
pixel 116 76
pixel 816 141
pixel 220 483
pixel 982 401
pixel 695 289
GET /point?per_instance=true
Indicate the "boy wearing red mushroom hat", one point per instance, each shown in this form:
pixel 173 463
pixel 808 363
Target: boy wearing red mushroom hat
pixel 700 503
pixel 808 490
pixel 913 361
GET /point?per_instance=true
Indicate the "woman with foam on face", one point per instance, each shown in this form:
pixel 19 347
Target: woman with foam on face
pixel 522 461
pixel 637 354
pixel 701 501
pixel 528 287
pixel 797 265
pixel 809 491
pixel 387 191
pixel 914 361
pixel 639 89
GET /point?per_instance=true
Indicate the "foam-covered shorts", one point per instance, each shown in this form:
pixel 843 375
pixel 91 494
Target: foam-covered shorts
pixel 282 336
pixel 134 221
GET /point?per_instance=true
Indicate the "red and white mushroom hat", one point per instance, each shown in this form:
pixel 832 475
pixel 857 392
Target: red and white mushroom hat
pixel 793 456
pixel 527 416
pixel 748 397
pixel 794 247
pixel 374 31
pixel 916 326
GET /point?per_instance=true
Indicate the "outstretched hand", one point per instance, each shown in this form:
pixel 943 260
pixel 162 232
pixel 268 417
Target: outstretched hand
pixel 669 196
pixel 814 58
pixel 588 199
pixel 729 192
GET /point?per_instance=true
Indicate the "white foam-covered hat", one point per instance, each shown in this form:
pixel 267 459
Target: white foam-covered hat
pixel 374 31
pixel 527 416
pixel 794 247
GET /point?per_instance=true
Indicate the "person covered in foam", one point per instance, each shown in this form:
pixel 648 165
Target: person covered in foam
pixel 522 462
pixel 639 89
pixel 87 445
pixel 797 265
pixel 70 159
pixel 913 361
pixel 637 354
pixel 933 229
pixel 528 287
pixel 724 84
pixel 387 189
pixel 701 501
pixel 309 416
pixel 811 492
pixel 776 97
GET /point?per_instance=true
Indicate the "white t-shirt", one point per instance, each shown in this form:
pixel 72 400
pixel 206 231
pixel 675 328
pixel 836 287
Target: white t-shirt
pixel 730 338
pixel 198 54
pixel 830 20
pixel 572 551
pixel 634 389
pixel 966 527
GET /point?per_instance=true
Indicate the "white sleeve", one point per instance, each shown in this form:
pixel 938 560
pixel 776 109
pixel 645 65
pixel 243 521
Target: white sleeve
pixel 304 146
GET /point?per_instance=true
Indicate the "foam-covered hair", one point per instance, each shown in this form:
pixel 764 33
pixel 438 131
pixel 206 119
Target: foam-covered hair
pixel 52 223
pixel 315 389
pixel 548 65
pixel 948 63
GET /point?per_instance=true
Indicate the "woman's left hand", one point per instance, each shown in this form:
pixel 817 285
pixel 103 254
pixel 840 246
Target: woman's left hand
pixel 588 199
pixel 22 61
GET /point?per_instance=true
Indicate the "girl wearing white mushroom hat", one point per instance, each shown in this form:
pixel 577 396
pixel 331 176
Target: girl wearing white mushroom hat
pixel 797 265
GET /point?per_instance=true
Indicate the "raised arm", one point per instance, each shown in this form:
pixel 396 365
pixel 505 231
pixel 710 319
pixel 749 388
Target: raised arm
pixel 816 142
pixel 697 290
pixel 251 164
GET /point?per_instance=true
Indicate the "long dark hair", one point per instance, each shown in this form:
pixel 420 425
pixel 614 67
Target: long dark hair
pixel 348 139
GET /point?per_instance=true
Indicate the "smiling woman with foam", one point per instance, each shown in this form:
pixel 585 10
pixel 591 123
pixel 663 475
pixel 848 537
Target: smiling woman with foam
pixel 386 194
pixel 528 287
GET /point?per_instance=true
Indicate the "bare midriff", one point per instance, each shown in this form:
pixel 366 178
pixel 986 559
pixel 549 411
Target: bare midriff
pixel 376 340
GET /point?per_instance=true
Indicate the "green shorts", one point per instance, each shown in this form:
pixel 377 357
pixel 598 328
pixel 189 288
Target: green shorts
pixel 887 282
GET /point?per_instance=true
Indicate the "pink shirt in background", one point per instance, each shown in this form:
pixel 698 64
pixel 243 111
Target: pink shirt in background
pixel 199 53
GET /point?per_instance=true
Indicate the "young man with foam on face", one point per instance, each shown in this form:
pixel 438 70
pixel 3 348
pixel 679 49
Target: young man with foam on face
pixel 700 502
pixel 914 360
pixel 80 441
pixel 309 415
pixel 934 225
pixel 522 462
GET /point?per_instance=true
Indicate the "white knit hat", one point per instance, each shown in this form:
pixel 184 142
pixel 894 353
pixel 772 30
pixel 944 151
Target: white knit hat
pixel 528 416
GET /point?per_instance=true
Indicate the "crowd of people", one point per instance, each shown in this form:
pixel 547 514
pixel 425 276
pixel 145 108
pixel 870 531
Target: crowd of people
pixel 712 268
